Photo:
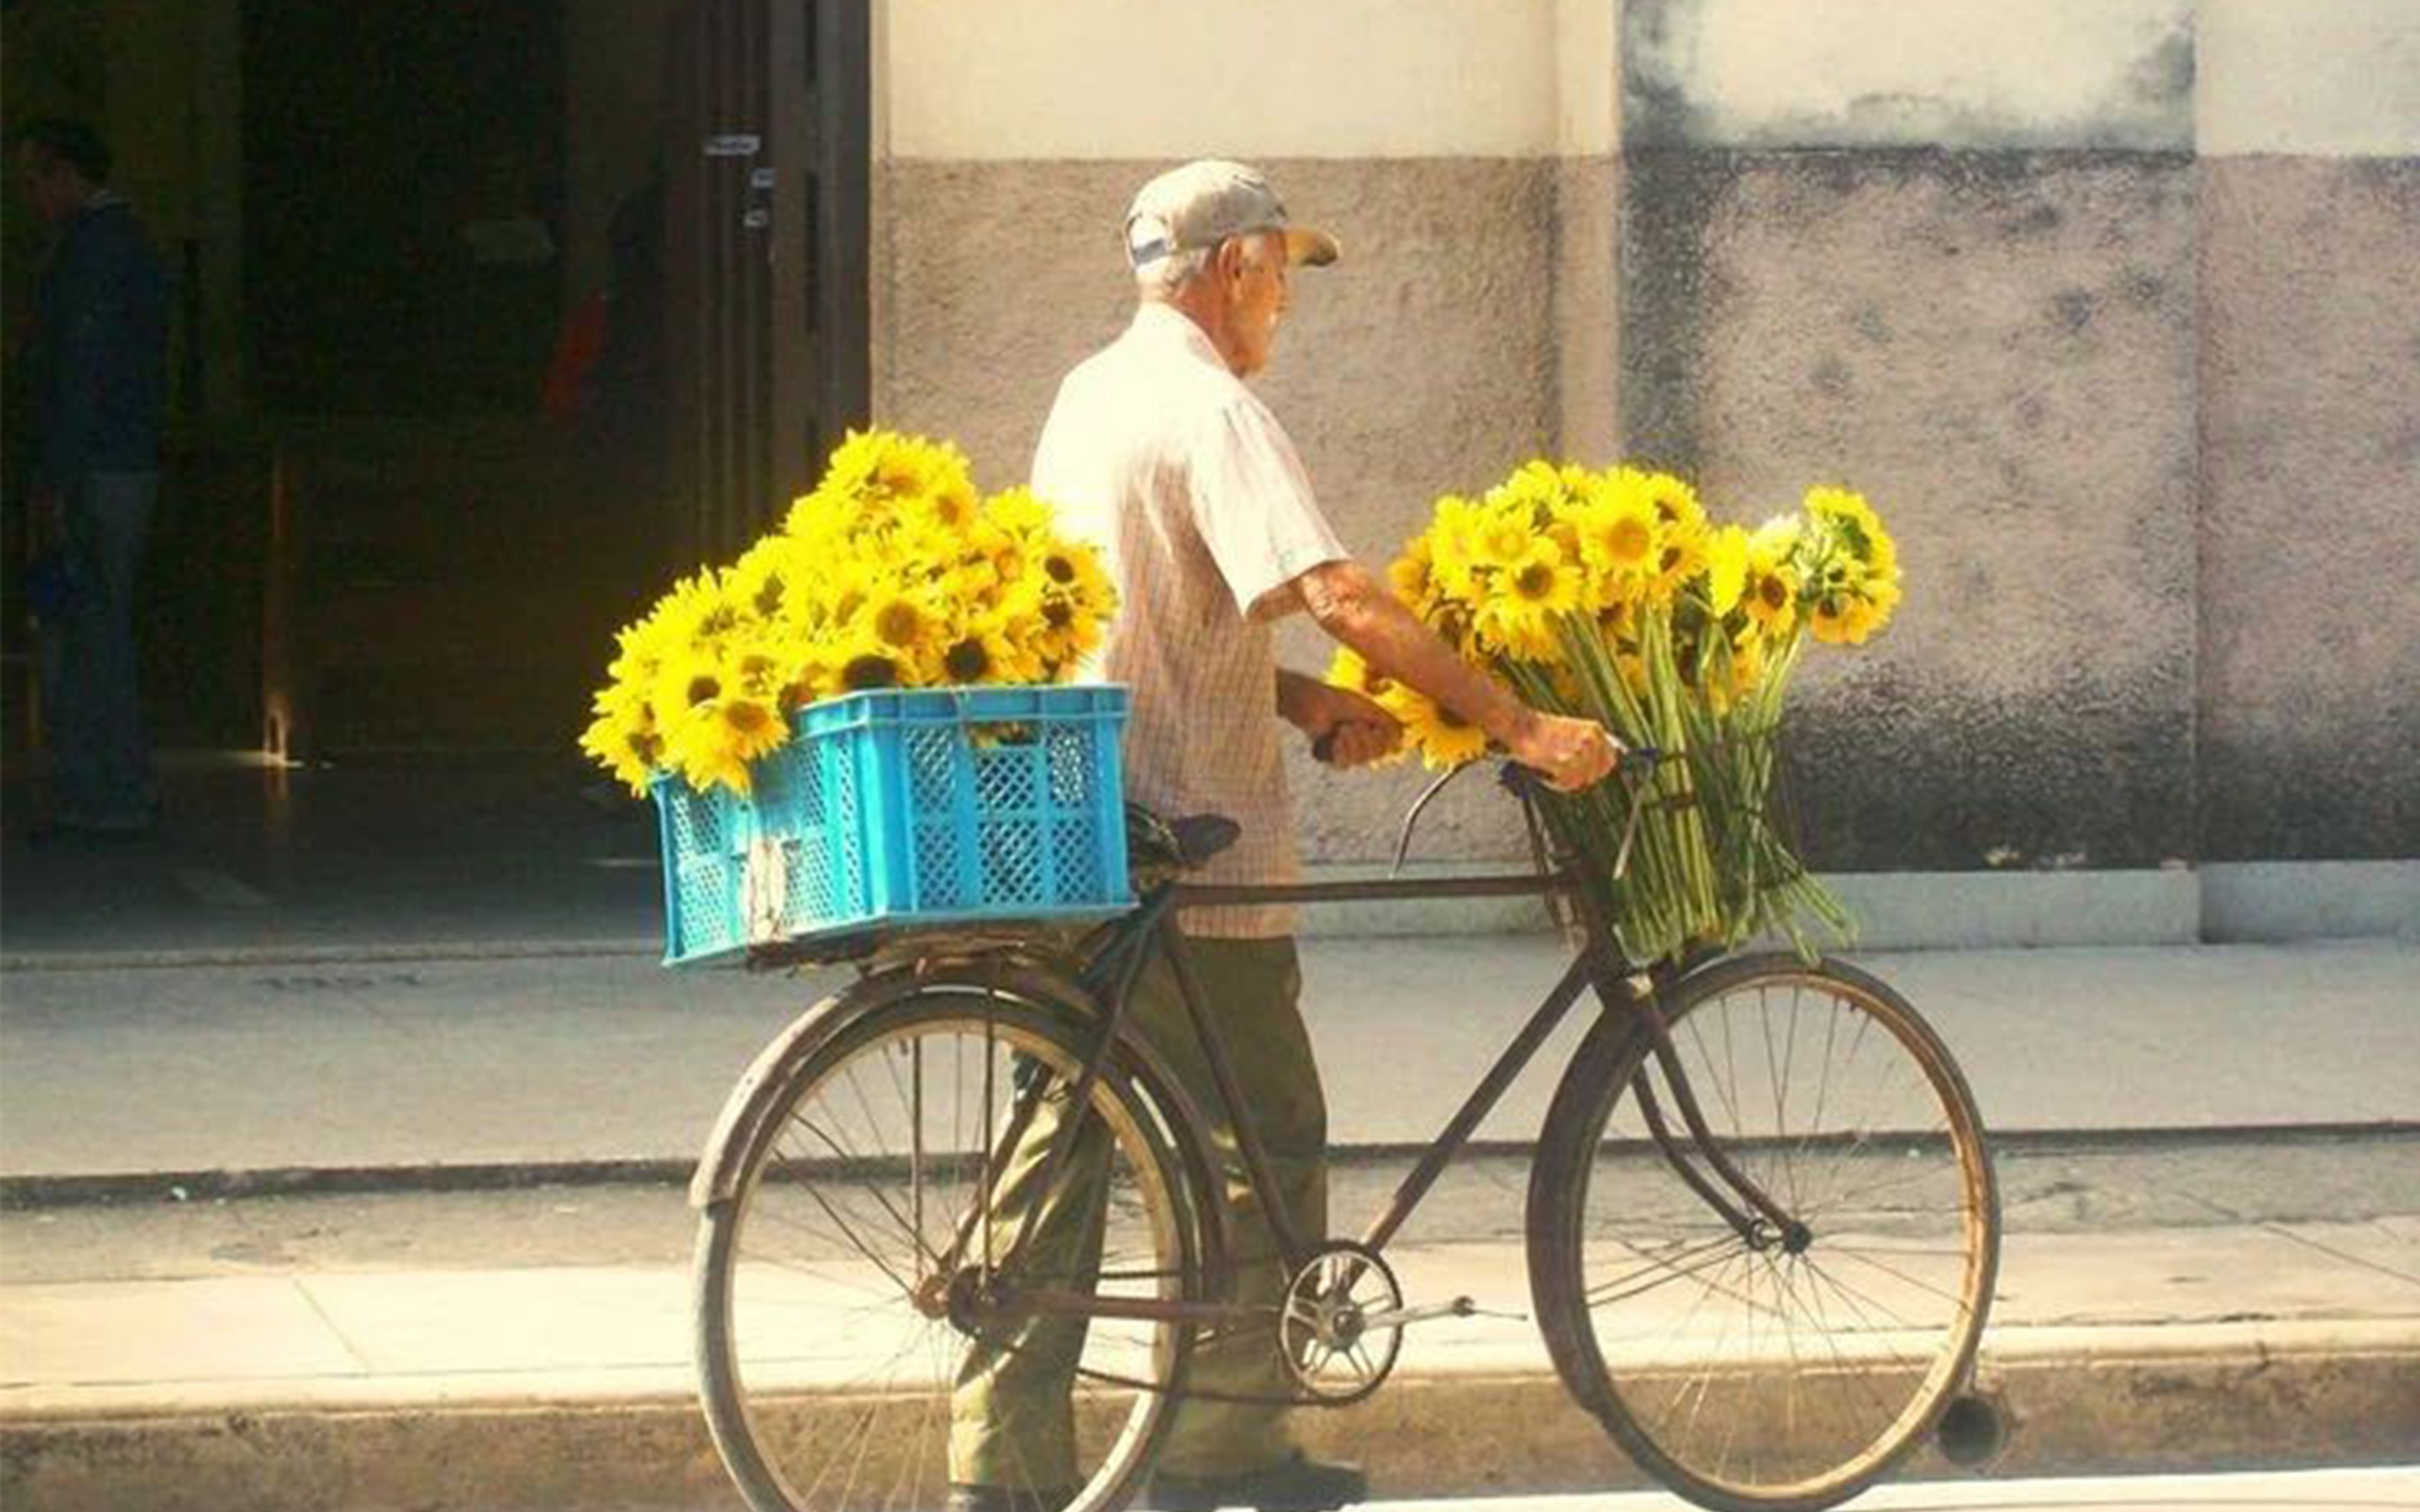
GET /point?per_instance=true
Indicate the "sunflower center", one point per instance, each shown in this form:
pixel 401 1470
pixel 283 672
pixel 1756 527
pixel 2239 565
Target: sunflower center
pixel 1534 583
pixel 899 623
pixel 871 670
pixel 1772 591
pixel 966 661
pixel 747 717
pixel 1627 541
pixel 705 687
pixel 1058 615
pixel 1062 571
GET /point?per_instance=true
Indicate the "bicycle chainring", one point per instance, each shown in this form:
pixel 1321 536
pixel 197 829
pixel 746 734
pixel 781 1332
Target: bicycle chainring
pixel 1334 1353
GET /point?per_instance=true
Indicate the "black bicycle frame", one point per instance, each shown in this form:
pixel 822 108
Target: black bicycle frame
pixel 1117 961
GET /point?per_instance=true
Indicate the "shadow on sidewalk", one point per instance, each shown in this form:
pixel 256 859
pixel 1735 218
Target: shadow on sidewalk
pixel 376 853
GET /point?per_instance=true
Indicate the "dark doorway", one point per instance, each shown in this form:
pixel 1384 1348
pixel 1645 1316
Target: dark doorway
pixel 402 200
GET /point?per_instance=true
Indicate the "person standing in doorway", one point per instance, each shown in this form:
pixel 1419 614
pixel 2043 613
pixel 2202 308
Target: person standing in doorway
pixel 99 357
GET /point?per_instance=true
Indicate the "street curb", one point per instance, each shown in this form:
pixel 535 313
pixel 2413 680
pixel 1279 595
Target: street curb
pixel 2229 1398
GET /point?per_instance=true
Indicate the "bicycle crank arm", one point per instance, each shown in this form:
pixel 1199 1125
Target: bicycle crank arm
pixel 1458 1308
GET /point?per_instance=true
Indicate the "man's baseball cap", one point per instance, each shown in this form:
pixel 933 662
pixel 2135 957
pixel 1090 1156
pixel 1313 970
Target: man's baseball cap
pixel 1207 201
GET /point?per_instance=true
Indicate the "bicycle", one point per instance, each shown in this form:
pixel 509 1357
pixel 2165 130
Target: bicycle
pixel 1767 1315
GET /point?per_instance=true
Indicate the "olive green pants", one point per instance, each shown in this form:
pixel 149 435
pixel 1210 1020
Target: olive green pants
pixel 1013 1424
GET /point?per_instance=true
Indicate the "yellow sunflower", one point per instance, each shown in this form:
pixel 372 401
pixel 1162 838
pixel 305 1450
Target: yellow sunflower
pixel 1674 502
pixel 1848 515
pixel 1502 531
pixel 1349 669
pixel 1413 575
pixel 1616 533
pixel 861 663
pixel 1519 617
pixel 1444 737
pixel 1771 590
pixel 1726 569
pixel 623 738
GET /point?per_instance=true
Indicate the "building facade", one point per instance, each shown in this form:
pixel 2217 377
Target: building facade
pixel 2110 305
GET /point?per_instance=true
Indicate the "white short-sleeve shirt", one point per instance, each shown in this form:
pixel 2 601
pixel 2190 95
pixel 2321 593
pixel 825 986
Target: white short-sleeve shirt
pixel 1161 456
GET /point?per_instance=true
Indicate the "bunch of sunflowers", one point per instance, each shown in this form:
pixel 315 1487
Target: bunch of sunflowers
pixel 894 573
pixel 1610 594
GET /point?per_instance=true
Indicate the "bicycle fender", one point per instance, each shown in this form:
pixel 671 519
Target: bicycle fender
pixel 716 1175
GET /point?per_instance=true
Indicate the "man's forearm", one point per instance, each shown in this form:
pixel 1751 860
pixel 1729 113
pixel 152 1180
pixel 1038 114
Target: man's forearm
pixel 1351 607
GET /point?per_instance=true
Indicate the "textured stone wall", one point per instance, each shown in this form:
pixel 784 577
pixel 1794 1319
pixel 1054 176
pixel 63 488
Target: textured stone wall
pixel 2092 300
pixel 1998 349
pixel 2309 629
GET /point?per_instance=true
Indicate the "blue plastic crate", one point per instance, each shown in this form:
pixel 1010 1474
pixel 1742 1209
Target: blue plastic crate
pixel 905 807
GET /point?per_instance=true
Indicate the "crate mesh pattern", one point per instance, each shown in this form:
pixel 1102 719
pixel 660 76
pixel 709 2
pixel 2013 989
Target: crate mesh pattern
pixel 901 807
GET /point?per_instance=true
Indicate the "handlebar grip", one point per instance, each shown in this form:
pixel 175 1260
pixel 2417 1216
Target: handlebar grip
pixel 1520 778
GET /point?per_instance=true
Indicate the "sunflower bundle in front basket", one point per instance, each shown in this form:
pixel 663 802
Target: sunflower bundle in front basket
pixel 836 728
pixel 1609 594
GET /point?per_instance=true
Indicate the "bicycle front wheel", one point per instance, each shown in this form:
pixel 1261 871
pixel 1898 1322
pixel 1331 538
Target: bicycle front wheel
pixel 1767 1364
pixel 860 1343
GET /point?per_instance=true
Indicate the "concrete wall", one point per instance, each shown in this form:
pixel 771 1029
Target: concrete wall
pixel 2107 304
pixel 2310 364
pixel 2092 298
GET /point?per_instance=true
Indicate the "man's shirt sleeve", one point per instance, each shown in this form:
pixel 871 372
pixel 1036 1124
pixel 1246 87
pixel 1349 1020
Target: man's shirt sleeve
pixel 1253 504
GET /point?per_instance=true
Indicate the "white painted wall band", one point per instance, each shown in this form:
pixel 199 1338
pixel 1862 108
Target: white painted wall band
pixel 984 79
pixel 1092 79
pixel 2311 78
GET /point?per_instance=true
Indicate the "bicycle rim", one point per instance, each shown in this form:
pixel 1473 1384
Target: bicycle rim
pixel 841 1343
pixel 1780 1369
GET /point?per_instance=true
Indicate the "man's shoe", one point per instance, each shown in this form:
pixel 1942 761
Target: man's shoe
pixel 1298 1485
pixel 966 1498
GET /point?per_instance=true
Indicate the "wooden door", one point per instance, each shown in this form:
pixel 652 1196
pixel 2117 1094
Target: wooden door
pixel 765 251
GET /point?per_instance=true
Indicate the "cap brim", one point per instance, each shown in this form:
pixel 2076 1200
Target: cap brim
pixel 1308 248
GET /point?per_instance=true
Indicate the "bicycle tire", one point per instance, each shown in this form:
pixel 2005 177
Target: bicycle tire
pixel 1651 1302
pixel 797 1430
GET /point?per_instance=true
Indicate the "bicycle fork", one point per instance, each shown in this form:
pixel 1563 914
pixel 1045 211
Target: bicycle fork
pixel 1760 1221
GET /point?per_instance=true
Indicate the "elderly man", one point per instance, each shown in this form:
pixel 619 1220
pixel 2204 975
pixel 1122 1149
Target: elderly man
pixel 1158 451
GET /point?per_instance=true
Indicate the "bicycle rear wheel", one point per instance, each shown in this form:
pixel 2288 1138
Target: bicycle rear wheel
pixel 1787 1366
pixel 846 1304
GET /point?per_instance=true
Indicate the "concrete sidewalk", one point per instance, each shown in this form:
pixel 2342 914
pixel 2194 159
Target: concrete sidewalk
pixel 563 1062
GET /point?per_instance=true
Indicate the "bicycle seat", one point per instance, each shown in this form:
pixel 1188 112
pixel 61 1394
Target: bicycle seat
pixel 1158 848
pixel 1200 836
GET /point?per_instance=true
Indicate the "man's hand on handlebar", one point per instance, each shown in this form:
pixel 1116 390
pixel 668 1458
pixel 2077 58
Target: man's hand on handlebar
pixel 1571 755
